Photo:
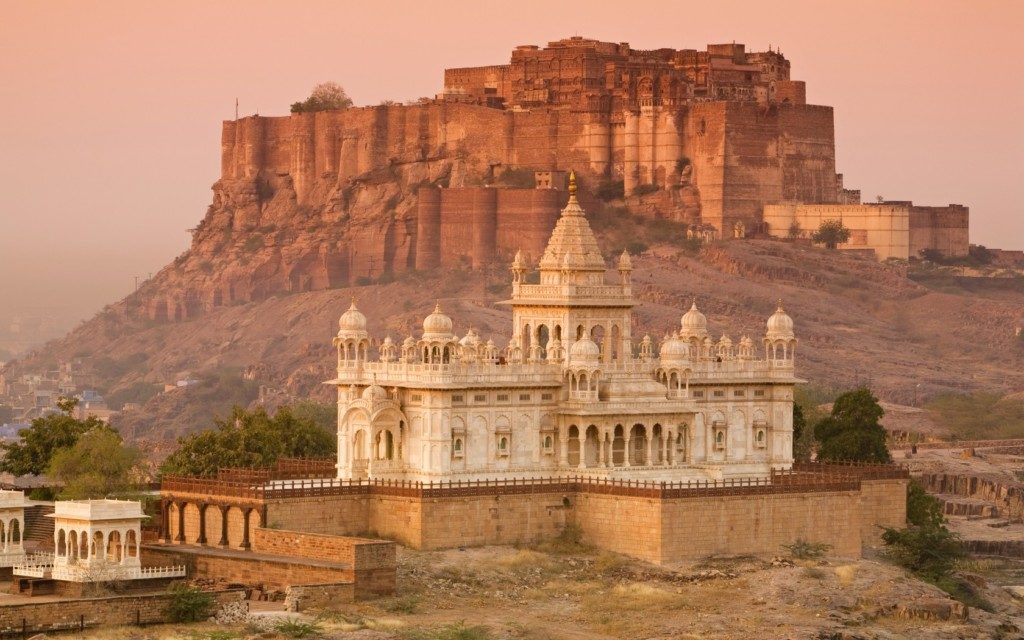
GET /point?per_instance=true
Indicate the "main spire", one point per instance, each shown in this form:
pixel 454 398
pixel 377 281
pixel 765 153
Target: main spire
pixel 572 244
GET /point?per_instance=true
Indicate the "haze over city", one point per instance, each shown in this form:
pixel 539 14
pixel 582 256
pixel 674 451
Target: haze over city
pixel 108 162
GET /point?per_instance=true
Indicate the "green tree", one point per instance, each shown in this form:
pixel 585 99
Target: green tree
pixel 251 439
pixel 326 96
pixel 852 432
pixel 36 445
pixel 96 466
pixel 803 436
pixel 923 510
pixel 831 233
pixel 930 552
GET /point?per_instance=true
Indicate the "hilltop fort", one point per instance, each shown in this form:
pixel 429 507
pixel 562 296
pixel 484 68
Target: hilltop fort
pixel 722 141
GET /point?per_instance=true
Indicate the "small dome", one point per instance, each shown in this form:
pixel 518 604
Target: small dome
pixel 673 350
pixel 437 324
pixel 374 392
pixel 387 342
pixel 780 325
pixel 585 350
pixel 693 324
pixel 725 341
pixel 409 342
pixel 625 262
pixel 471 339
pixel 352 321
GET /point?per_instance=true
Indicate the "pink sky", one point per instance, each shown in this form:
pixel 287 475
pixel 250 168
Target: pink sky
pixel 110 112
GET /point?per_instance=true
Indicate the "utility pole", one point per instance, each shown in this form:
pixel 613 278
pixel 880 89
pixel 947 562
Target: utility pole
pixel 236 109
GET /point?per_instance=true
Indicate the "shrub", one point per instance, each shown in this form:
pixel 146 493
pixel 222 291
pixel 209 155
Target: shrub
pixel 253 243
pixel 295 628
pixel 923 510
pixel 456 631
pixel 831 233
pixel 644 189
pixel 517 178
pixel 402 604
pixel 325 96
pixel 929 552
pixel 189 604
pixel 636 247
pixel 804 550
pixel 611 190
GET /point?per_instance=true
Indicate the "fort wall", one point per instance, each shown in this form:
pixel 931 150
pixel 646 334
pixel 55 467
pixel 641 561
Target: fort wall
pixel 892 229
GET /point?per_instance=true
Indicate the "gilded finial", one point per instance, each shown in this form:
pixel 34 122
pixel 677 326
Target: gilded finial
pixel 572 184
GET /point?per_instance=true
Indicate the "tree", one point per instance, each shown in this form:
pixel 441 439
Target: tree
pixel 96 466
pixel 32 452
pixel 250 439
pixel 831 233
pixel 803 437
pixel 326 96
pixel 794 230
pixel 852 432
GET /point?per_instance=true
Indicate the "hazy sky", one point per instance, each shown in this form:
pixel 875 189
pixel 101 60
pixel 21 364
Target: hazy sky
pixel 110 112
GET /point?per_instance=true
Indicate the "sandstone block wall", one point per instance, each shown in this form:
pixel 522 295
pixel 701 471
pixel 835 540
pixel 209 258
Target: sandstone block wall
pixel 943 229
pixel 345 515
pixel 760 524
pixel 272 573
pixel 885 228
pixel 883 503
pixel 118 610
pixel 627 525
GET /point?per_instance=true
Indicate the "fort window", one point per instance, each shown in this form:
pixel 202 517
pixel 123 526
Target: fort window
pixel 758 393
pixel 415 398
pixel 502 397
pixel 458 398
pixel 524 397
pixel 546 396
pixel 719 393
pixel 739 393
pixel 480 397
pixel 698 394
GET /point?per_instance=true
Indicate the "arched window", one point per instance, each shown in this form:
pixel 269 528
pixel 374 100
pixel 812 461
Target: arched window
pixel 547 443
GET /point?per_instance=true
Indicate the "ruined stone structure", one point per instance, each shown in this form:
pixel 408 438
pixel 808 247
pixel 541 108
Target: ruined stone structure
pixel 892 229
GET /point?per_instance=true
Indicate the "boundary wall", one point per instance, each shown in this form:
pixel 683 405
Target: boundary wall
pixel 839 505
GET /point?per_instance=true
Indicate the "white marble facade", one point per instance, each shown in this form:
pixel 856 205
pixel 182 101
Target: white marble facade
pixel 572 393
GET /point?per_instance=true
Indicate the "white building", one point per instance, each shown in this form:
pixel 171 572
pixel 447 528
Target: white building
pixel 95 541
pixel 12 527
pixel 571 394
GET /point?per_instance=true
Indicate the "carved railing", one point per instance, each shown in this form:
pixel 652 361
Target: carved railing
pixel 807 477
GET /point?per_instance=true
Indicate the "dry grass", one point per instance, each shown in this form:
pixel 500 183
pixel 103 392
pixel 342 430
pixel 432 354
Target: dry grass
pixel 634 597
pixel 525 560
pixel 846 574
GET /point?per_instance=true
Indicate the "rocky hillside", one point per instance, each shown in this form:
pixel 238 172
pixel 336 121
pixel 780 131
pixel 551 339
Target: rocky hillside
pixel 858 321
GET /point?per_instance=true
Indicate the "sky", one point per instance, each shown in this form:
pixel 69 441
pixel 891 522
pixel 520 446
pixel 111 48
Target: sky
pixel 110 112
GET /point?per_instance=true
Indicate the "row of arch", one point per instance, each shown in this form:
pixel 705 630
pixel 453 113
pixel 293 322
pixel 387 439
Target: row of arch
pixel 538 340
pixel 119 546
pixel 11 534
pixel 623 446
pixel 202 523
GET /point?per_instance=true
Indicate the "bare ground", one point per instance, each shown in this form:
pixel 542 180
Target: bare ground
pixel 506 593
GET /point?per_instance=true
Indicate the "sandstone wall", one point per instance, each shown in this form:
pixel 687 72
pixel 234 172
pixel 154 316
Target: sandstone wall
pixel 883 503
pixel 760 524
pixel 884 228
pixel 345 515
pixel 272 573
pixel 944 229
pixel 627 525
pixel 92 612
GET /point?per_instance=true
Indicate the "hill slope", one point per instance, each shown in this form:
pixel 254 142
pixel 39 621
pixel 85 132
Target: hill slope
pixel 858 321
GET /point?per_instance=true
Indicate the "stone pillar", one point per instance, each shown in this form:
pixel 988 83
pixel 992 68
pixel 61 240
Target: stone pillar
pixel 179 536
pixel 666 441
pixel 631 152
pixel 628 452
pixel 649 437
pixel 245 528
pixel 202 524
pixel 164 525
pixel 563 447
pixel 223 526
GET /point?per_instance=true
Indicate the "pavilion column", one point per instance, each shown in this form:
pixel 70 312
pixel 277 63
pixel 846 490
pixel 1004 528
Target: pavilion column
pixel 245 528
pixel 628 452
pixel 666 440
pixel 650 446
pixel 164 525
pixel 180 536
pixel 223 525
pixel 202 524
